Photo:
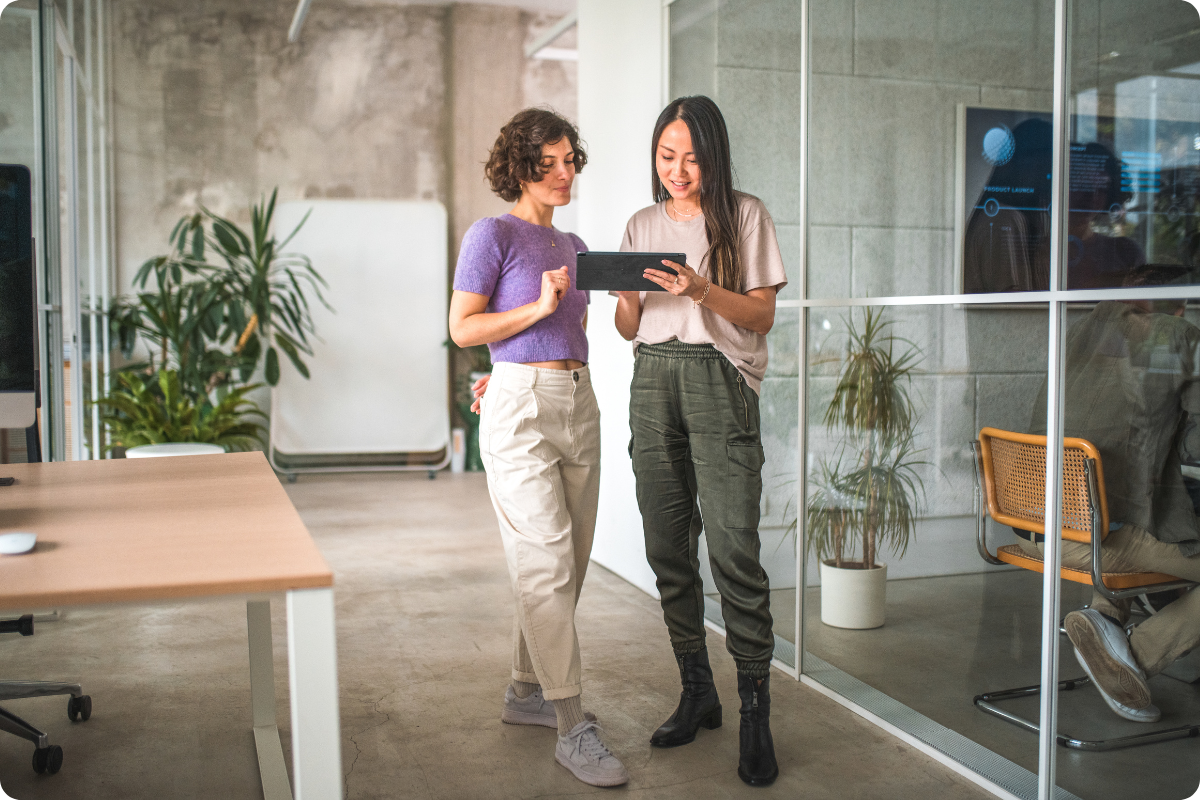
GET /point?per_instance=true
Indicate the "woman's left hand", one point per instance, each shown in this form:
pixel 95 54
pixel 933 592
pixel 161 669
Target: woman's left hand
pixel 478 390
pixel 686 284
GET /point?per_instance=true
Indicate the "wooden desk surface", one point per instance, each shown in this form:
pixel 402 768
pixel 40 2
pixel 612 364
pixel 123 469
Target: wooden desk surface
pixel 140 529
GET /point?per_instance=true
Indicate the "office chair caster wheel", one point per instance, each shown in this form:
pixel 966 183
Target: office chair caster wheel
pixel 47 759
pixel 79 708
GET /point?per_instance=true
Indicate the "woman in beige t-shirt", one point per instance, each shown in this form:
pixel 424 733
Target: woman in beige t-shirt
pixel 693 413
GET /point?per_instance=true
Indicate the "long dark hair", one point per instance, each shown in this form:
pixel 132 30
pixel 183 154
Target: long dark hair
pixel 710 141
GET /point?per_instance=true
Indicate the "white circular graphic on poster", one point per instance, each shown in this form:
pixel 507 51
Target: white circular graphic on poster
pixel 999 145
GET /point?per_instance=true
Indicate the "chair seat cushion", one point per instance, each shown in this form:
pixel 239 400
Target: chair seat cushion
pixel 1017 556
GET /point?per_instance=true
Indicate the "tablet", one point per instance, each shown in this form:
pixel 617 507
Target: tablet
pixel 622 272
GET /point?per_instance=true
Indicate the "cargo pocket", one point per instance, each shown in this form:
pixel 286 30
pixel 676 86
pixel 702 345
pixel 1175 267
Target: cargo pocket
pixel 743 487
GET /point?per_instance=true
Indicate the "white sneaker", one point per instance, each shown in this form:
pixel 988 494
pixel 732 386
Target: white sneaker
pixel 532 710
pixel 582 752
pixel 1102 649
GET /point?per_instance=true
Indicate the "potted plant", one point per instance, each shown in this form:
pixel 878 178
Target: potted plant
pixel 865 497
pixel 206 328
pixel 138 416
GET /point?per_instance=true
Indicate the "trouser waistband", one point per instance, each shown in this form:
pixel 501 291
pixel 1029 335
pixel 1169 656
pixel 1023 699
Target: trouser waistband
pixel 674 348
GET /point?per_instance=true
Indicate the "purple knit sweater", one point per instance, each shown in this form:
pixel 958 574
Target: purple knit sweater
pixel 503 258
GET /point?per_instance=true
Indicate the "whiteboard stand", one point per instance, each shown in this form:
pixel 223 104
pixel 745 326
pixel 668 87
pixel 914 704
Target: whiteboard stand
pixel 380 367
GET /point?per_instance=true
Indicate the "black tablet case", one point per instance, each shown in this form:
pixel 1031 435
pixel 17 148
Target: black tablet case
pixel 622 272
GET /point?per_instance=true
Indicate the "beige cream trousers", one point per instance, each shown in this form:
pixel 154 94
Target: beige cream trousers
pixel 539 435
pixel 1171 632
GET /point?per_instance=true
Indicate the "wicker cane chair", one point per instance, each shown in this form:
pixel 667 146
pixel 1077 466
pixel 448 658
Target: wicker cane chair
pixel 1010 473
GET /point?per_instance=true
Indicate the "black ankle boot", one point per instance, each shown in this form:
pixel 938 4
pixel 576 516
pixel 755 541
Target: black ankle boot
pixel 698 703
pixel 757 765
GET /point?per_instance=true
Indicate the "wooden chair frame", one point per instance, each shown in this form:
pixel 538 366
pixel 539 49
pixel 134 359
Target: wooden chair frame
pixel 1118 586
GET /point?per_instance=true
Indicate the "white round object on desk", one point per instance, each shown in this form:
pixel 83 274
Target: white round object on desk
pixel 12 544
pixel 173 449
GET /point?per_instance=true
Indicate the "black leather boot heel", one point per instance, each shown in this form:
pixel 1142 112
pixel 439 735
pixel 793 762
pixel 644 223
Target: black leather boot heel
pixel 698 703
pixel 756 765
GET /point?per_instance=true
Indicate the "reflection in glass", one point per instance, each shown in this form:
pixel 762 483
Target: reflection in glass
pixel 952 627
pixel 1131 389
pixel 1135 161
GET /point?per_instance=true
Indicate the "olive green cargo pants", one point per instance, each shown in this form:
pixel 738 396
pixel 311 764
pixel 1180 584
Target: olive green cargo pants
pixel 698 457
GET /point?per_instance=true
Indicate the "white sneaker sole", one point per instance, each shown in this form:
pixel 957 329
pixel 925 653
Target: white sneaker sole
pixel 591 780
pixel 527 718
pixel 1121 683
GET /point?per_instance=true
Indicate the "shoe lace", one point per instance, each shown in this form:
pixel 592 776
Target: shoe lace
pixel 588 743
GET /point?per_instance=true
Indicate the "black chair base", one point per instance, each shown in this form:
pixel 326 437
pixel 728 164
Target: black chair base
pixel 986 703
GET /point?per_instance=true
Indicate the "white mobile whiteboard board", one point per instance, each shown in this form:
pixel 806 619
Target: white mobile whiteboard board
pixel 380 370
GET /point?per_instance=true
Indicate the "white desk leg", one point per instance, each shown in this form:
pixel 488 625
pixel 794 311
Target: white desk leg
pixel 312 670
pixel 271 766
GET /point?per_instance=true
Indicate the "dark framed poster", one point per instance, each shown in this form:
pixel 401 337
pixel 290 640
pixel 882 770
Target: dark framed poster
pixel 1134 201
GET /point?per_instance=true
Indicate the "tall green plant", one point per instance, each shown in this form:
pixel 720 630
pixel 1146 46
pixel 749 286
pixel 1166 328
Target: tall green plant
pixel 215 322
pixel 868 494
pixel 265 289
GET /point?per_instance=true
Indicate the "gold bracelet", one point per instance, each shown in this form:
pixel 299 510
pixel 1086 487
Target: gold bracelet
pixel 707 286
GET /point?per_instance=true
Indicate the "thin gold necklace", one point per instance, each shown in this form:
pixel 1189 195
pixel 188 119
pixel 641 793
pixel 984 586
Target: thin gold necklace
pixel 679 213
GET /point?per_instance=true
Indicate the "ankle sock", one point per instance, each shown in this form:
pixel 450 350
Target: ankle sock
pixel 523 689
pixel 570 713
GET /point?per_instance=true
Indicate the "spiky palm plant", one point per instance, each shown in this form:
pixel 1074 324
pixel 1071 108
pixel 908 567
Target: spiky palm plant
pixel 869 493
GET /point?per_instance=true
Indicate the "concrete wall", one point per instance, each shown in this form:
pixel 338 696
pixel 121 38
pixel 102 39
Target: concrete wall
pixel 378 100
pixel 17 113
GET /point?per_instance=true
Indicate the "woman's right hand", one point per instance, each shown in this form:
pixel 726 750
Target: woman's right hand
pixel 555 284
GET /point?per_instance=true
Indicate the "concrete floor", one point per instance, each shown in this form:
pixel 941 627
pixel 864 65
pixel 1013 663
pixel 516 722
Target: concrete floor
pixel 423 606
pixel 948 639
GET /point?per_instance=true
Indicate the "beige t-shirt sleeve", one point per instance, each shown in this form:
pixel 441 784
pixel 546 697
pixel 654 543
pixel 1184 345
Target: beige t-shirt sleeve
pixel 760 250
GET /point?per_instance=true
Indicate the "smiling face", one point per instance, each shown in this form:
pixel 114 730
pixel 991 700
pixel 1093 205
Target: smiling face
pixel 558 173
pixel 675 160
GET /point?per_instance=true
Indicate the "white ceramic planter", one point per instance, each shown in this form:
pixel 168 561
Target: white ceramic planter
pixel 853 598
pixel 173 449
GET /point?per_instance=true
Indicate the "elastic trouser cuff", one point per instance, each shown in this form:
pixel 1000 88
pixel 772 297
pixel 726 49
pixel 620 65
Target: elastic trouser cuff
pixel 754 669
pixel 688 648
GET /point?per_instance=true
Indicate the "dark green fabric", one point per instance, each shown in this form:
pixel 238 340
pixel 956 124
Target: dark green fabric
pixel 697 455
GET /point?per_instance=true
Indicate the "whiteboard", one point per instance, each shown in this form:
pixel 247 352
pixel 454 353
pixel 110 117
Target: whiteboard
pixel 380 369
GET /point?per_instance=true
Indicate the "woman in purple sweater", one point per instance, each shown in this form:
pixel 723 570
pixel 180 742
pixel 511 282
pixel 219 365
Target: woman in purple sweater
pixel 539 429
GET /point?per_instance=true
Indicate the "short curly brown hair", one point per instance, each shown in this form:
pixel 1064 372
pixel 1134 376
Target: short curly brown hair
pixel 516 156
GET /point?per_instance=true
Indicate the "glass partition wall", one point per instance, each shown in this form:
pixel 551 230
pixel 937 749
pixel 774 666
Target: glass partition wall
pixel 990 213
pixel 54 121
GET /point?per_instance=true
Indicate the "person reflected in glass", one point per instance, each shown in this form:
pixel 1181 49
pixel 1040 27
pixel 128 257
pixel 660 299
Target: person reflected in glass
pixel 1133 390
pixel 1094 258
pixel 701 353
pixel 539 431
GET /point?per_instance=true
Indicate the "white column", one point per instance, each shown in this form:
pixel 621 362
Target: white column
pixel 621 92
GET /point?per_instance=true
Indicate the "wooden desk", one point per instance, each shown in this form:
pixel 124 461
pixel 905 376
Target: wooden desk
pixel 148 530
